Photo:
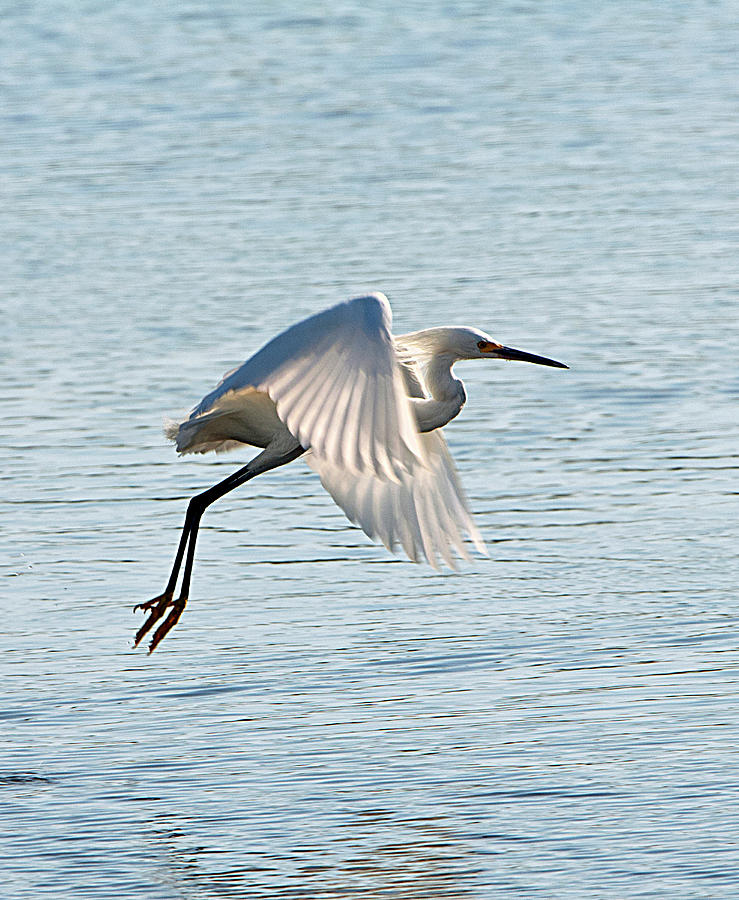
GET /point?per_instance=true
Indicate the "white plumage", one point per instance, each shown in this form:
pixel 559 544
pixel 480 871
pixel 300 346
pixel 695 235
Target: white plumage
pixel 366 411
pixel 334 381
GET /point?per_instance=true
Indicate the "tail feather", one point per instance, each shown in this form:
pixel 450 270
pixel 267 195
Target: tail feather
pixel 171 428
pixel 194 436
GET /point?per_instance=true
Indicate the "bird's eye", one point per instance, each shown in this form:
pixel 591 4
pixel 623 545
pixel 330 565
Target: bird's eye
pixel 481 345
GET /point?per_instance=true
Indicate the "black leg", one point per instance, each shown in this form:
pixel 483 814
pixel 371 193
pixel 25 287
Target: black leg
pixel 158 605
pixel 197 506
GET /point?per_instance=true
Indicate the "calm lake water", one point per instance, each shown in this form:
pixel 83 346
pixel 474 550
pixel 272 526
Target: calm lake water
pixel 558 721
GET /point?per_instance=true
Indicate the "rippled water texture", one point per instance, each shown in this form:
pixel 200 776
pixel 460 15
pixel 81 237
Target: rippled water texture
pixel 183 180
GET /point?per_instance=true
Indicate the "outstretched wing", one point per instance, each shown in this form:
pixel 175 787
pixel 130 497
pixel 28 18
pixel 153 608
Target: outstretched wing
pixel 425 511
pixel 337 385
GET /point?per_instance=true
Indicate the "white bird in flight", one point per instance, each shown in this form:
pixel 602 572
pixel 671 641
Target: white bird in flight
pixel 365 409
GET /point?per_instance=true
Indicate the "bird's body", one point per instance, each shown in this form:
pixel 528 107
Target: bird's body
pixel 365 409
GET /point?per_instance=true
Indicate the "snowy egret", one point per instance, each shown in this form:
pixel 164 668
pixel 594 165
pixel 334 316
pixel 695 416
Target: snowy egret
pixel 366 409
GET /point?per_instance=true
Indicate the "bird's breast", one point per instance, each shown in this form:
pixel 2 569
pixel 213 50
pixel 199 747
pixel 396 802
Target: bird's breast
pixel 432 414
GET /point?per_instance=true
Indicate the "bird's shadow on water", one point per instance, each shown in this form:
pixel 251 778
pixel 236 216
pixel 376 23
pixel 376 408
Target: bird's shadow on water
pixel 375 853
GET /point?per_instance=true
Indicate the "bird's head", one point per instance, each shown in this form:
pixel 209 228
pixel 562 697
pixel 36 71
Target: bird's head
pixel 469 343
pixel 458 342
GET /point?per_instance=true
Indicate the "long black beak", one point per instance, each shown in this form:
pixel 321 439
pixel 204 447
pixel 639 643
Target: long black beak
pixel 510 353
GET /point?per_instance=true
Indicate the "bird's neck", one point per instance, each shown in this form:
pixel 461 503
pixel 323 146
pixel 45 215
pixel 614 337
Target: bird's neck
pixel 447 395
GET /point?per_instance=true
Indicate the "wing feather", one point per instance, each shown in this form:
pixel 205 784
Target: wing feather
pixel 334 437
pixel 337 385
pixel 424 510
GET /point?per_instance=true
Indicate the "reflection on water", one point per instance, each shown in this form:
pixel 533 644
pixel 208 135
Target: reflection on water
pixel 371 853
pixel 557 721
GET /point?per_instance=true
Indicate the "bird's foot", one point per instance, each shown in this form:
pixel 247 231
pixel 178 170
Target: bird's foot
pixel 162 600
pixel 169 623
pixel 156 609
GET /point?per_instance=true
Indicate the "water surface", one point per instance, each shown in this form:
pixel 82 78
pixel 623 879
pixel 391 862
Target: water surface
pixel 557 721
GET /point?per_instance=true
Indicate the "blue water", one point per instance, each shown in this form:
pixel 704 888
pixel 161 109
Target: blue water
pixel 182 181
